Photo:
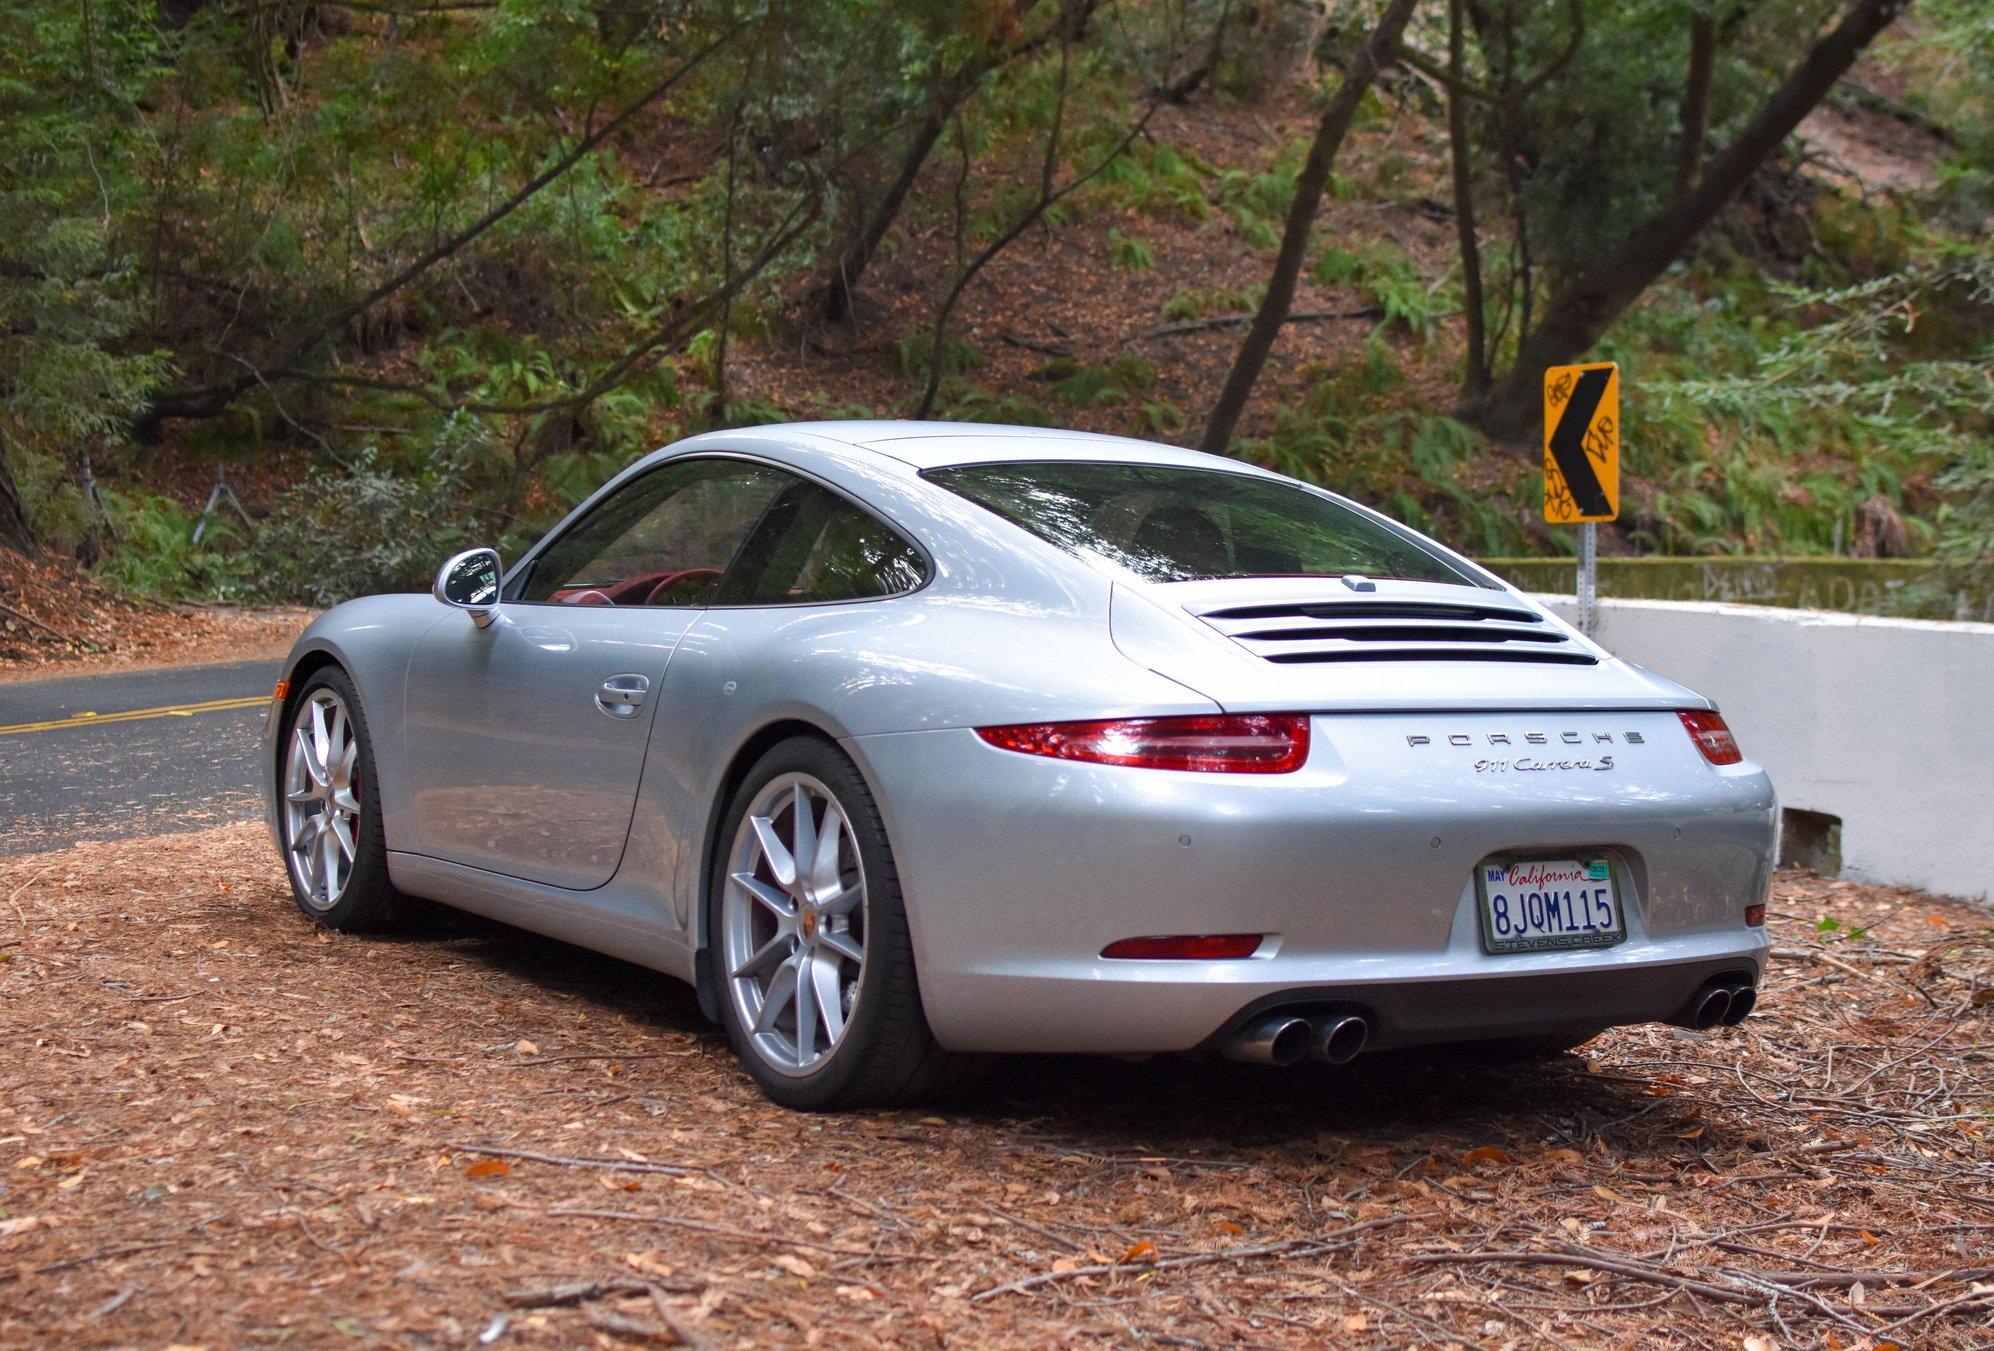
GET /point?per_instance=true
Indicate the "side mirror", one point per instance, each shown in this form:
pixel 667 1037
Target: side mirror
pixel 470 581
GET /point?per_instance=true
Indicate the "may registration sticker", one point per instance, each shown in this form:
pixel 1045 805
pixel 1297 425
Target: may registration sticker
pixel 1542 905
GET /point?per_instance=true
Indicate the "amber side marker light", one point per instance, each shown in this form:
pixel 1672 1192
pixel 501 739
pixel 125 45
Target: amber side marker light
pixel 1707 729
pixel 283 688
pixel 1185 948
pixel 1755 915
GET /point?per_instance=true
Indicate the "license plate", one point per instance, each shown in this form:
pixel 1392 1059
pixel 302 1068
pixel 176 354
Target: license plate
pixel 1543 905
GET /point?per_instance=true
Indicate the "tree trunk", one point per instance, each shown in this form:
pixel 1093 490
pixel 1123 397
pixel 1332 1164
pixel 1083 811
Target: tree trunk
pixel 1470 242
pixel 1511 412
pixel 1309 184
pixel 852 263
pixel 15 533
pixel 1696 101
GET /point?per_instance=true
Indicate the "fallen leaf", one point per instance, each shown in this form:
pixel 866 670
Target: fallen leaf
pixel 1144 1251
pixel 1355 1322
pixel 1756 1343
pixel 525 1047
pixel 1564 1156
pixel 1485 1154
pixel 21 1224
pixel 1608 1194
pixel 1869 1238
pixel 1228 1227
pixel 1696 1134
pixel 488 1168
pixel 796 1266
pixel 74 1180
pixel 1065 1264
pixel 858 1294
pixel 651 1262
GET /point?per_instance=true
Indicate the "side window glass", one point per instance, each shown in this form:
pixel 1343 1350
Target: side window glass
pixel 665 538
pixel 814 545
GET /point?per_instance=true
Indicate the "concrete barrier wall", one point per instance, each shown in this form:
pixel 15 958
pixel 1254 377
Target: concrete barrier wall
pixel 1885 723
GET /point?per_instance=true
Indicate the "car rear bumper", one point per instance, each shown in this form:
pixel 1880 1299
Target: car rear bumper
pixel 1019 870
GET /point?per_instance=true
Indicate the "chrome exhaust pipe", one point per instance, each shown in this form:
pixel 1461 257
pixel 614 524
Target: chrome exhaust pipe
pixel 1337 1038
pixel 1709 1008
pixel 1743 999
pixel 1274 1039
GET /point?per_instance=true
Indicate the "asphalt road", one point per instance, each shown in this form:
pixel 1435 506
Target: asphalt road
pixel 136 753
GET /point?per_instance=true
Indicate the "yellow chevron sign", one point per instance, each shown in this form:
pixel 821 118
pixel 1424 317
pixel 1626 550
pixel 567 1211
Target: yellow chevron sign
pixel 1582 443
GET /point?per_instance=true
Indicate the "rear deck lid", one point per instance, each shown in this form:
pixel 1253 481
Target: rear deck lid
pixel 1350 643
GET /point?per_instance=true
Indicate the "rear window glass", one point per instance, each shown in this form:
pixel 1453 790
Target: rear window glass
pixel 1175 524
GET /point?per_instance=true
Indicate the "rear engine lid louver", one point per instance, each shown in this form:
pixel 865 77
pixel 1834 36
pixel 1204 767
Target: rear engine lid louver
pixel 1389 630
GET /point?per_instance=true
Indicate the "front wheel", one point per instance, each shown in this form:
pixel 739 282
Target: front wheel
pixel 810 943
pixel 329 814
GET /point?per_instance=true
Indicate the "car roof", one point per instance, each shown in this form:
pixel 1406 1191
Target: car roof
pixel 930 445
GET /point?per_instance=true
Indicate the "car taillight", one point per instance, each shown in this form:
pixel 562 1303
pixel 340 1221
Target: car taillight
pixel 1236 743
pixel 1706 728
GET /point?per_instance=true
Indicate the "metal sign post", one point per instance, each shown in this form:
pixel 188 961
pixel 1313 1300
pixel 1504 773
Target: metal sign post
pixel 1582 463
pixel 1588 575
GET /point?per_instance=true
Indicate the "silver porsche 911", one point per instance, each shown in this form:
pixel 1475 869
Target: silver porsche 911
pixel 904 742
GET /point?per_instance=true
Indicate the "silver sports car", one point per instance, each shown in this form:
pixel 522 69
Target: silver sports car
pixel 904 742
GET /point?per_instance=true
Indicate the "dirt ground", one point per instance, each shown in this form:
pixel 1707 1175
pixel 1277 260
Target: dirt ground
pixel 220 1127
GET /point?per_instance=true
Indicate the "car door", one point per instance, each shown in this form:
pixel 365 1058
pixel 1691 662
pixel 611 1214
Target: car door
pixel 526 739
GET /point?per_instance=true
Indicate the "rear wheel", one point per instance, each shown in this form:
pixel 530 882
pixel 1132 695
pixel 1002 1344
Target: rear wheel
pixel 810 942
pixel 329 815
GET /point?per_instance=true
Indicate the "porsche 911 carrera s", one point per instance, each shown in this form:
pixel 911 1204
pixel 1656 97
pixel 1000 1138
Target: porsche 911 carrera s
pixel 907 742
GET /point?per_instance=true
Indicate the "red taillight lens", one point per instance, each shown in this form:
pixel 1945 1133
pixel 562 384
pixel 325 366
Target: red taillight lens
pixel 1185 947
pixel 1706 728
pixel 1755 915
pixel 1241 743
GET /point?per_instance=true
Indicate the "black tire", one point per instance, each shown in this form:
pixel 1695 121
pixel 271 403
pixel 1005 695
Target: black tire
pixel 324 807
pixel 880 1050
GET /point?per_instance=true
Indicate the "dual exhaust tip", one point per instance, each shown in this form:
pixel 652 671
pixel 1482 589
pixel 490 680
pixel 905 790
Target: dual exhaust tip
pixel 1288 1038
pixel 1725 1001
pixel 1338 1038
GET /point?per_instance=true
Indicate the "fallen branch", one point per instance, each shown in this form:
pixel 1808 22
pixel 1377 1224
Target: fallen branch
pixel 580 1161
pixel 722 1231
pixel 1620 1266
pixel 48 628
pixel 1241 320
pixel 580 1292
pixel 1293 1247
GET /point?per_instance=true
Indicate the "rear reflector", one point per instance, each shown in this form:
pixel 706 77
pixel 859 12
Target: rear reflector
pixel 1185 948
pixel 1755 915
pixel 1243 743
pixel 1706 728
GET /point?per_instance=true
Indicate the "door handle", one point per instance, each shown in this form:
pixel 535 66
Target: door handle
pixel 621 696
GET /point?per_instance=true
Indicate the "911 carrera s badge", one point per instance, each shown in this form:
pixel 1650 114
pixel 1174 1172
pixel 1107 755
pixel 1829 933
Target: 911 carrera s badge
pixel 1526 765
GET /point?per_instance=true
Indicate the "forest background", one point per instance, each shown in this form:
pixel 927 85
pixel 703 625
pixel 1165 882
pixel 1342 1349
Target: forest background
pixel 375 279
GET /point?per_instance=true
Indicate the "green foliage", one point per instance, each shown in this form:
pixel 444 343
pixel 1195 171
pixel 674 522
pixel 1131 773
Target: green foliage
pixel 157 557
pixel 917 350
pixel 1086 386
pixel 1386 274
pixel 1187 305
pixel 1129 253
pixel 962 401
pixel 338 535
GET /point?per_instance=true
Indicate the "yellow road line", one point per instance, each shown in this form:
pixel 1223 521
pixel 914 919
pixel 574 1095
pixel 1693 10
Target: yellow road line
pixel 137 714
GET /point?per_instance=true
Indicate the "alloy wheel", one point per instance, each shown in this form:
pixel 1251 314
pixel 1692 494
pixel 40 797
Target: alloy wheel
pixel 793 924
pixel 322 798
